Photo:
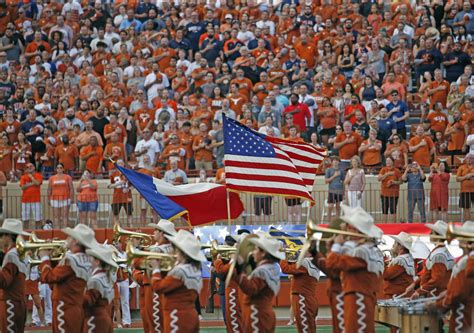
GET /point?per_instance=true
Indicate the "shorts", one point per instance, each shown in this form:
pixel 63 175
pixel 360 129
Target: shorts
pixel 389 204
pixel 117 206
pixel 293 202
pixel 328 131
pixel 203 165
pixel 60 203
pixel 335 198
pixel 263 205
pixel 27 207
pixel 466 199
pixel 87 206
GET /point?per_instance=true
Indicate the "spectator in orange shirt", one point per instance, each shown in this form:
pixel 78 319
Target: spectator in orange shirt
pixel 202 149
pixel 350 110
pixel 438 90
pixel 348 143
pixel 438 119
pixel 422 147
pixel 328 118
pixel 465 176
pixel 67 155
pixel 390 178
pixel 60 196
pixel 371 150
pixel 91 156
pixel 87 199
pixel 30 184
pixel 455 134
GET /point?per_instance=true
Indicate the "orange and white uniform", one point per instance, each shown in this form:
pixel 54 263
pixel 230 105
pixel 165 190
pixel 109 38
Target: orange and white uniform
pixel 435 277
pixel 97 303
pixel 398 275
pixel 335 295
pixel 142 279
pixel 232 305
pixel 258 290
pixel 179 291
pixel 361 274
pixel 303 292
pixel 68 280
pixel 459 298
pixel 12 283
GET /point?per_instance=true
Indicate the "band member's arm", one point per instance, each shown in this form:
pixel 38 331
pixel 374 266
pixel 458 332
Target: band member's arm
pixel 320 261
pixel 344 262
pixel 391 272
pixel 290 268
pixel 91 297
pixel 56 274
pixel 221 267
pixel 251 286
pixel 438 271
pixel 165 285
pixel 470 266
pixel 7 275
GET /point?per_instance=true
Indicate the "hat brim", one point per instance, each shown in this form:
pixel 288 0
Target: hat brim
pixel 258 242
pixel 374 231
pixel 97 255
pixel 8 231
pixel 73 234
pixel 199 256
pixel 437 230
pixel 402 242
pixel 157 227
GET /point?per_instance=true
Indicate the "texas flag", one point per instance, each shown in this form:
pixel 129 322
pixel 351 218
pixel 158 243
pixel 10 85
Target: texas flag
pixel 199 204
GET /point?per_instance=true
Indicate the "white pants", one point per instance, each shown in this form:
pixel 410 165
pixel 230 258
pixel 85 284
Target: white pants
pixel 45 294
pixel 353 200
pixel 124 291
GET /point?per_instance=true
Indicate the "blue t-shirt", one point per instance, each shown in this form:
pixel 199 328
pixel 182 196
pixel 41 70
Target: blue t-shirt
pixel 194 32
pixel 402 108
pixel 387 125
pixel 337 185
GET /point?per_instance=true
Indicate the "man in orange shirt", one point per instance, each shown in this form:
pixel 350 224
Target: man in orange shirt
pixel 163 54
pixel 114 150
pixel 456 135
pixel 422 147
pixel 465 176
pixel 67 155
pixel 202 149
pixel 115 127
pixel 174 151
pixel 390 177
pixel 438 89
pixel 30 184
pixel 438 119
pixel 307 51
pixel 91 156
pixel 348 143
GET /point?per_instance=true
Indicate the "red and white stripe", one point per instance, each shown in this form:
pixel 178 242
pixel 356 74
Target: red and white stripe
pixel 289 173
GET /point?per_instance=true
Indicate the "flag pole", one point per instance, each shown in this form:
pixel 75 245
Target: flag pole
pixel 228 208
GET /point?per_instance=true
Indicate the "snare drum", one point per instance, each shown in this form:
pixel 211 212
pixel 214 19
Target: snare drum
pixel 387 312
pixel 415 319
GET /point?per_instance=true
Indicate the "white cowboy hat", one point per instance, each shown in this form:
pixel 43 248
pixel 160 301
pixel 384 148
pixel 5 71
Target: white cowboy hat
pixel 188 244
pixel 419 250
pixel 466 227
pixel 361 220
pixel 83 234
pixel 269 244
pixel 164 225
pixel 13 226
pixel 440 227
pixel 404 240
pixel 103 253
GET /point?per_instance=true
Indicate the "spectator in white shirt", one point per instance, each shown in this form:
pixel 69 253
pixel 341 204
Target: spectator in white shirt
pixel 174 175
pixel 269 128
pixel 147 146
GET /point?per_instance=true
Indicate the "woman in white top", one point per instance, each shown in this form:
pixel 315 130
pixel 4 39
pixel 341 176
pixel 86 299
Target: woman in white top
pixel 355 183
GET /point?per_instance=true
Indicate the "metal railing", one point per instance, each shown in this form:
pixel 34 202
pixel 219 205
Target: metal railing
pixel 258 210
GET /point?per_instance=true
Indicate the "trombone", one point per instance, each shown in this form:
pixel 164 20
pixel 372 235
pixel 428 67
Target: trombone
pixel 224 250
pixel 461 236
pixel 23 247
pixel 145 239
pixel 167 261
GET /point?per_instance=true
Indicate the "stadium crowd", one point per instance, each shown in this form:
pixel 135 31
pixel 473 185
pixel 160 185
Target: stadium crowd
pixel 84 84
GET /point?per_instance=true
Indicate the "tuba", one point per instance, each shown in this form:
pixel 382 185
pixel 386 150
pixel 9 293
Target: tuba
pixel 119 232
pixel 167 261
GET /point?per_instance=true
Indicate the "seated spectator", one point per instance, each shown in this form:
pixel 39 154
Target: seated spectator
pixel 174 175
pixel 422 147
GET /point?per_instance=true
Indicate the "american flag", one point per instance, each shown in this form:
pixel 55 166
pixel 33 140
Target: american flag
pixel 260 164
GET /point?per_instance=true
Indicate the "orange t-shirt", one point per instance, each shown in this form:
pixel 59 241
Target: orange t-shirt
pixel 422 155
pixel 202 154
pixel 67 156
pixel 371 156
pixel 122 194
pixel 109 128
pixel 468 184
pixel 60 189
pixel 87 194
pixel 456 140
pixel 330 117
pixel 175 149
pixel 32 193
pixel 438 120
pixel 93 162
pixel 439 96
pixel 349 150
pixel 386 189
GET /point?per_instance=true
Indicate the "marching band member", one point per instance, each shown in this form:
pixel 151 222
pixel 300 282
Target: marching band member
pixel 361 270
pixel 32 289
pixel 152 300
pixel 100 290
pixel 303 292
pixel 459 296
pixel 335 295
pixel 400 272
pixel 123 287
pixel 69 279
pixel 182 285
pixel 231 306
pixel 262 285
pixel 12 278
pixel 438 266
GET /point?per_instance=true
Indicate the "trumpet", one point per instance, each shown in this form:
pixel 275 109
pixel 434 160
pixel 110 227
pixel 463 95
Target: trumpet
pixel 36 262
pixel 315 229
pixel 23 247
pixel 167 261
pixel 223 250
pixel 146 239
